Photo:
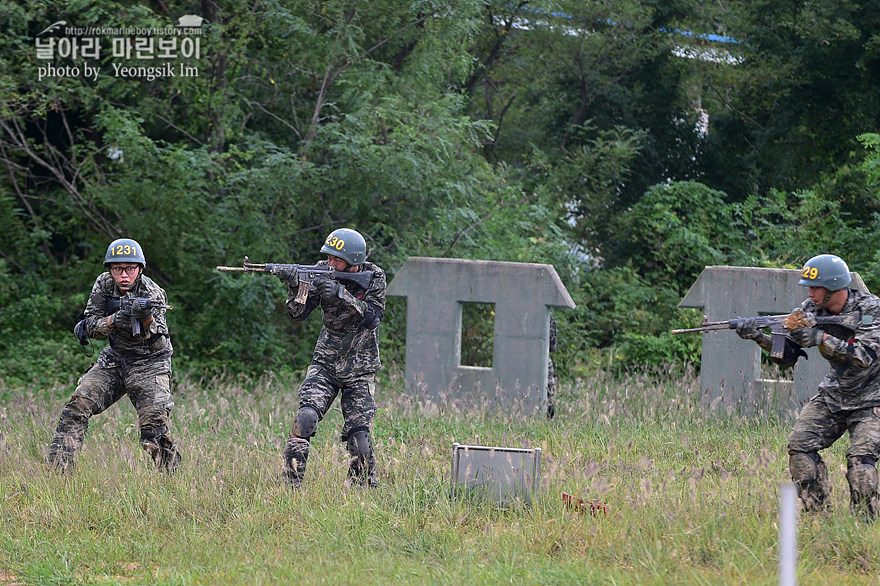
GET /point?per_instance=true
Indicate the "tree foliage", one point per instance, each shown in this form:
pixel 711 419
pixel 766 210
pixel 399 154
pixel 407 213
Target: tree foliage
pixel 620 142
pixel 805 88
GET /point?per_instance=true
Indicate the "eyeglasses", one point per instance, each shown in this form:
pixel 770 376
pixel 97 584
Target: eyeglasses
pixel 127 270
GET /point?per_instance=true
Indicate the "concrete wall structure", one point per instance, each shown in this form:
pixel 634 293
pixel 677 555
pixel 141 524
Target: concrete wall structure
pixel 731 372
pixel 435 289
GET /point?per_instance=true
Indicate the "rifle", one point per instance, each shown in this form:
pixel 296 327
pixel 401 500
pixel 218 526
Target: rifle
pixel 781 324
pixel 307 275
pixel 124 303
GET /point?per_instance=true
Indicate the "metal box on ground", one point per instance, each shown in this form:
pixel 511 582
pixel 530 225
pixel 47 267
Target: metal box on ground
pixel 505 475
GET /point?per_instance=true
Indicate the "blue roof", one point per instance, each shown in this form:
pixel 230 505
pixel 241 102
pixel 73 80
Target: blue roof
pixel 705 36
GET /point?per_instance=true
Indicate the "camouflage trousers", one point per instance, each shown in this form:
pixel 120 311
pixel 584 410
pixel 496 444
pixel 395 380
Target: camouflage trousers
pixel 817 428
pixel 317 393
pixel 146 380
pixel 551 389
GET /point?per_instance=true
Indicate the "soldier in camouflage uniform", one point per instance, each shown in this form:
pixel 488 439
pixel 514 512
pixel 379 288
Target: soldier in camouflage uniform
pixel 849 395
pixel 551 372
pixel 345 360
pixel 135 364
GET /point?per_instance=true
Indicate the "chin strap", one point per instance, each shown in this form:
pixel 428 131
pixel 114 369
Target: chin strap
pixel 825 301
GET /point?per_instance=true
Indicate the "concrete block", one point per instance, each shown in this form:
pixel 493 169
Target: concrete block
pixel 523 294
pixel 731 374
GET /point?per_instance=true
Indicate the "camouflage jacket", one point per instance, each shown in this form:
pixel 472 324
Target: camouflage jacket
pixel 348 345
pixel 152 340
pixel 853 382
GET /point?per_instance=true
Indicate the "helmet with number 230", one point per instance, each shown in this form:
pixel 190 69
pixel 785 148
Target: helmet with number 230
pixel 825 270
pixel 348 245
pixel 125 250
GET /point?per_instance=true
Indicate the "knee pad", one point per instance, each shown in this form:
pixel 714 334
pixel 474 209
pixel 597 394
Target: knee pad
pixel 861 473
pixel 804 467
pixel 359 444
pixel 809 473
pixel 362 466
pixel 856 460
pixel 305 424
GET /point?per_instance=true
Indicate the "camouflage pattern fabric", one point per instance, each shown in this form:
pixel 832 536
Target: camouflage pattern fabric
pixel 344 363
pixel 551 389
pixel 153 339
pixel 344 348
pixel 818 426
pixel 296 455
pixel 848 400
pixel 139 366
pixel 853 381
pixel 551 372
pixel 320 389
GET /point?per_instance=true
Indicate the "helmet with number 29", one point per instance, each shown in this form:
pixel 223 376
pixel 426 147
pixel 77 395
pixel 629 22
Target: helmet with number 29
pixel 348 245
pixel 825 270
pixel 125 250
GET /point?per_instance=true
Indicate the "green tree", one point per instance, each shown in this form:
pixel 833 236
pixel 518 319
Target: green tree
pixel 589 99
pixel 675 230
pixel 804 89
pixel 304 117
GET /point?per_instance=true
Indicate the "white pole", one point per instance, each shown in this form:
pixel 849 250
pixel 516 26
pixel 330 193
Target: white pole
pixel 787 534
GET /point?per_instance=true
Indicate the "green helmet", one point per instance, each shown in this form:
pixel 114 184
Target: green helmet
pixel 825 270
pixel 348 245
pixel 125 250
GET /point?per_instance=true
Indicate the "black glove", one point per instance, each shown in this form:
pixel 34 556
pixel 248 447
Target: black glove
pixel 140 313
pixel 288 277
pixel 121 320
pixel 79 330
pixel 329 289
pixel 748 330
pixel 807 337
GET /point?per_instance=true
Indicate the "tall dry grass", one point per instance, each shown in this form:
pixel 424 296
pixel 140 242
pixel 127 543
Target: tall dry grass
pixel 691 496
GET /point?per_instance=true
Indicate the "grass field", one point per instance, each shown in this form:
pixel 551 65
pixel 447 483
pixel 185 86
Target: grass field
pixel 692 498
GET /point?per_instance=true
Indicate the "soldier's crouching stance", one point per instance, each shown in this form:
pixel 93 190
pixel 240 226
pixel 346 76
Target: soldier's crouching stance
pixel 345 360
pixel 137 362
pixel 849 395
